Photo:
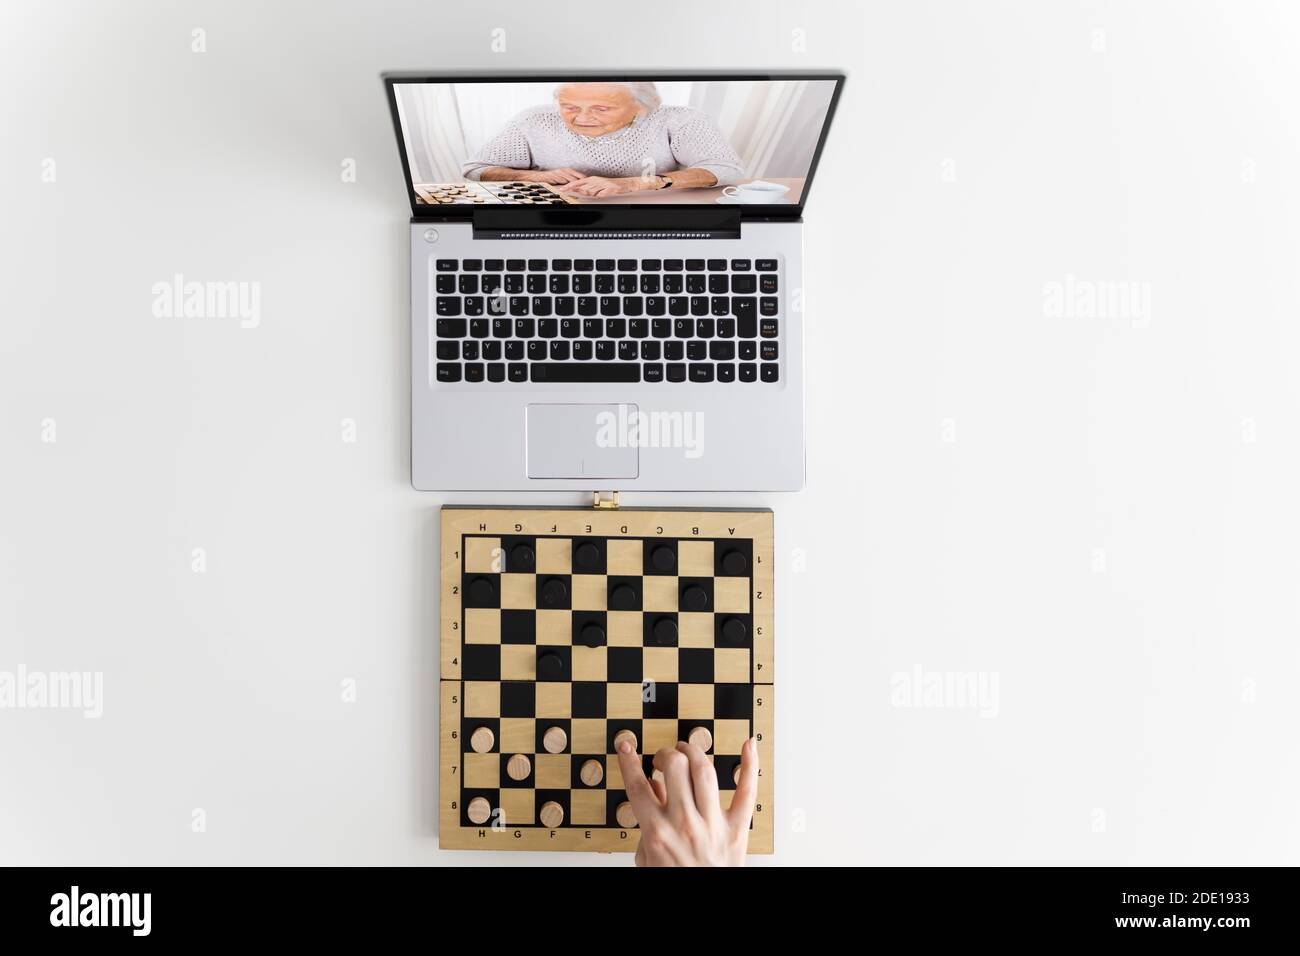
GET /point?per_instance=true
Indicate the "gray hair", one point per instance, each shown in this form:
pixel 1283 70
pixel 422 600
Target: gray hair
pixel 644 93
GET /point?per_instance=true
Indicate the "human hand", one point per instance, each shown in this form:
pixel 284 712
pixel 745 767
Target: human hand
pixel 599 186
pixel 552 176
pixel 681 819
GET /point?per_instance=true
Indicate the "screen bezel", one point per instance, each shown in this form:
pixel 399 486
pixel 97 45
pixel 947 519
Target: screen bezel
pixel 747 211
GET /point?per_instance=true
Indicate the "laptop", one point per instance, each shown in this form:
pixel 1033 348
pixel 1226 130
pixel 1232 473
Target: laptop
pixel 606 277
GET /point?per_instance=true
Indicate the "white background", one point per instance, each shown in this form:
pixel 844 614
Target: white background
pixel 968 452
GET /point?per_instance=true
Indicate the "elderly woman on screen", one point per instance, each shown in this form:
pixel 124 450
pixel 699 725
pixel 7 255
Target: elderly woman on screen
pixel 607 139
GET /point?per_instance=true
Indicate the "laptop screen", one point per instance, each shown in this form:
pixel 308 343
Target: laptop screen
pixel 610 141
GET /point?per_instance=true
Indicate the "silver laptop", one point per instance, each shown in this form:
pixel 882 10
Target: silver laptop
pixel 606 277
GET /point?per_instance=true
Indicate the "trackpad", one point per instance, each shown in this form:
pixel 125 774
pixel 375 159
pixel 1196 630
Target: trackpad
pixel 581 441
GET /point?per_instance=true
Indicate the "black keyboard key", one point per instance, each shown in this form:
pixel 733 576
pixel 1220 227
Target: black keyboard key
pixel 583 265
pixel 537 351
pixel 448 351
pixel 627 285
pixel 702 372
pixel 584 372
pixel 448 371
pixel 744 285
pixel 515 351
pixel 445 284
pixel 683 328
pixel 525 328
pixel 561 265
pixel 768 305
pixel 472 265
pixel 604 284
pixel 604 265
pixel 536 284
pixel 536 265
pixel 674 284
pixel 468 285
pixel 473 371
pixel 696 285
pixel 447 305
pixel 767 351
pixel 697 351
pixel 512 283
pixel 720 305
pixel 676 372
pixel 742 307
pixel 638 328
pixel 633 305
pixel 651 265
pixel 627 265
pixel 694 265
pixel 704 328
pixel 469 350
pixel 494 265
pixel 565 305
pixel 496 372
pixel 700 304
pixel 749 372
pixel 541 305
pixel 719 284
pixel 651 350
pixel 652 372
pixel 611 305
pixel 655 305
pixel 717 265
pixel 661 328
pixel 479 328
pixel 582 284
pixel 473 304
pixel 627 351
pixel 490 283
pixel 570 328
pixel 518 372
pixel 519 305
pixel 559 285
pixel 748 351
pixel 767 284
pixel 672 265
pixel 616 328
pixel 740 265
pixel 649 285
pixel 593 328
pixel 765 265
pixel 605 350
pixel 515 265
pixel 769 373
pixel 584 350
pixel 767 328
pixel 548 328
pixel 722 351
pixel 560 351
pixel 726 372
pixel 726 328
pixel 491 351
pixel 674 351
pixel 588 305
pixel 450 328
pixel 446 265
pixel 679 305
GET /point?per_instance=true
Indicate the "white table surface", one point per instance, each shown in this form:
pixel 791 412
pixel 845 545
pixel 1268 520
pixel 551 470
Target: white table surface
pixel 1101 513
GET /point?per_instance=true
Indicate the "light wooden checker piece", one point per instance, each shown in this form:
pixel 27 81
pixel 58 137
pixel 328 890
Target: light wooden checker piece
pixel 564 628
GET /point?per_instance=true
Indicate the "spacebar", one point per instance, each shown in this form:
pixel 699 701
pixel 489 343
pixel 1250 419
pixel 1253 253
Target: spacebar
pixel 585 371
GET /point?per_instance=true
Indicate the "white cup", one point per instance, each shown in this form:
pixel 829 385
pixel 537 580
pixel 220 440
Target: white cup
pixel 758 191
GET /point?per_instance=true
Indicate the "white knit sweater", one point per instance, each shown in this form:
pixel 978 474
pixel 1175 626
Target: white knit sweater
pixel 669 138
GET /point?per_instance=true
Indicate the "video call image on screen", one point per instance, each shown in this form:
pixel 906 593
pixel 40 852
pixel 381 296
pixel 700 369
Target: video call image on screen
pixel 560 143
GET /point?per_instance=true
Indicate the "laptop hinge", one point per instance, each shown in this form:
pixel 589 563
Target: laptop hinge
pixel 608 222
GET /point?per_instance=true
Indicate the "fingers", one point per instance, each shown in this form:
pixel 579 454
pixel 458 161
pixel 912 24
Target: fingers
pixel 704 780
pixel 645 802
pixel 742 802
pixel 660 793
pixel 677 782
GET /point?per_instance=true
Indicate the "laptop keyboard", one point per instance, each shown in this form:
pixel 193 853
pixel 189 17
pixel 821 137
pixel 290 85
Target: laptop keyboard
pixel 606 320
